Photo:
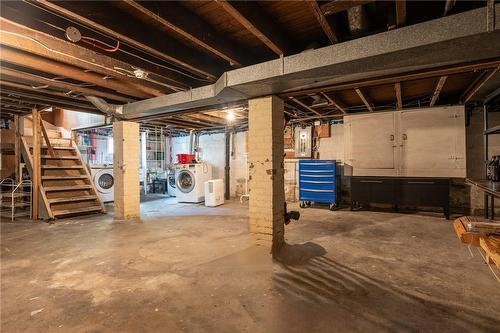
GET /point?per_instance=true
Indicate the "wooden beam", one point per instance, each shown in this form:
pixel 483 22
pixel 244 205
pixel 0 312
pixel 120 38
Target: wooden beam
pixel 70 87
pixel 477 84
pixel 409 76
pixel 337 104
pixel 399 98
pixel 22 38
pixel 364 99
pixel 308 108
pixel 160 45
pixel 437 90
pixel 37 162
pixel 175 18
pixel 20 58
pixel 47 139
pixel 41 99
pixel 400 13
pixel 40 90
pixel 17 152
pixel 320 17
pixel 250 16
pixel 338 6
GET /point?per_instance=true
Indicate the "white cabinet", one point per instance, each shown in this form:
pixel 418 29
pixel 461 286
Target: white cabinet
pixel 416 143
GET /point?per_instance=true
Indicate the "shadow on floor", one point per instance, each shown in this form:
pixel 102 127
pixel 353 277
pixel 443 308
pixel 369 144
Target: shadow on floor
pixel 307 274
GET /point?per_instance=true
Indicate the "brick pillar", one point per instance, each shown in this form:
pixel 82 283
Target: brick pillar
pixel 126 169
pixel 266 171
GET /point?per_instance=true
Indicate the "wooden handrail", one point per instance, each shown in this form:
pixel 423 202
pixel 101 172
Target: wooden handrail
pixel 46 136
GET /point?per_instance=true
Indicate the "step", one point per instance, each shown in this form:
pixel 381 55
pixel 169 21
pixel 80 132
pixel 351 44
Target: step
pixel 62 167
pixel 56 147
pixel 67 188
pixel 48 157
pixel 76 210
pixel 67 177
pixel 73 199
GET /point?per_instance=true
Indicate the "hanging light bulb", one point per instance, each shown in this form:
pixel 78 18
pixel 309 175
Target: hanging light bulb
pixel 230 116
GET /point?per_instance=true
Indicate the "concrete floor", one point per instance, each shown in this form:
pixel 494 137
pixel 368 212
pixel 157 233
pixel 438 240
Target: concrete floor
pixel 188 268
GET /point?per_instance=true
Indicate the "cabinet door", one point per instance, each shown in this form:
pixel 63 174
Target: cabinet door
pixel 369 144
pixel 432 142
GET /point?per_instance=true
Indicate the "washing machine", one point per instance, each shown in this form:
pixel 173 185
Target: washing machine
pixel 190 180
pixel 171 188
pixel 104 181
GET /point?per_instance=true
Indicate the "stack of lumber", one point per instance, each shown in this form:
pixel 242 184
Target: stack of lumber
pixel 482 233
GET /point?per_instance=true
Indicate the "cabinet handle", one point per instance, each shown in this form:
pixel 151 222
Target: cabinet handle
pixel 405 137
pixel 371 181
pixel 430 183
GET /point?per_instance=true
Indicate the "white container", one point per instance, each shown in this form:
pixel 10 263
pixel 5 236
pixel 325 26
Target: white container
pixel 214 193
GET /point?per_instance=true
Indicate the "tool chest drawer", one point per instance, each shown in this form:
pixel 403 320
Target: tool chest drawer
pixel 318 182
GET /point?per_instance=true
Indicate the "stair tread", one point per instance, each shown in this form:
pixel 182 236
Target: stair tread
pixel 76 210
pixel 60 157
pixel 66 177
pixel 72 199
pixel 67 188
pixel 62 166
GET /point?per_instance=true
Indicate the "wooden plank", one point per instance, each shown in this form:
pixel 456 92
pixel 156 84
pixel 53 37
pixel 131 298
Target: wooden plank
pixel 491 246
pixel 336 103
pixel 67 188
pixel 400 13
pixel 477 84
pixel 62 167
pixel 17 153
pixel 43 81
pixel 255 21
pixel 465 236
pixel 47 139
pixel 160 45
pixel 308 108
pixel 36 162
pixel 20 58
pixel 364 99
pixel 338 6
pixel 54 157
pixel 437 90
pixel 323 22
pixel 77 210
pixel 399 98
pixel 66 177
pixel 174 17
pixel 73 199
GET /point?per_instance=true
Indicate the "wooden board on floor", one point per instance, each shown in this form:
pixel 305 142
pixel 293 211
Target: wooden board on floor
pixel 491 246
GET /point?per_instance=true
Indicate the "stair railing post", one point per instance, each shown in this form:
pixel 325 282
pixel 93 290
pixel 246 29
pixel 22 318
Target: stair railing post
pixel 37 165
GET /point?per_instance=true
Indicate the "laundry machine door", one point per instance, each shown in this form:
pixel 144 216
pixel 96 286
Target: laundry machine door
pixel 104 181
pixel 185 181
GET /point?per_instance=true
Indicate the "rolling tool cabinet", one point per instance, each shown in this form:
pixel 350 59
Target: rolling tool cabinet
pixel 318 182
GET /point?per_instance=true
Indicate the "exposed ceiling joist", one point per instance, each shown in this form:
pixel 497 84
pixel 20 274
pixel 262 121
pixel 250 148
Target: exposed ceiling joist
pixel 336 103
pixel 399 97
pixel 323 22
pixel 42 44
pixel 35 62
pixel 256 22
pixel 437 90
pixel 39 90
pixel 477 84
pixel 400 13
pixel 160 45
pixel 42 81
pixel 338 6
pixel 308 108
pixel 364 99
pixel 44 100
pixel 175 18
pixel 391 79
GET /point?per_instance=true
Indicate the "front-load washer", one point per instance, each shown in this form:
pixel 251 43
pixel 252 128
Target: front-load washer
pixel 104 181
pixel 190 180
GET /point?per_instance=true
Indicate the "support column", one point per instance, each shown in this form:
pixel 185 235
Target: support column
pixel 37 164
pixel 266 171
pixel 126 169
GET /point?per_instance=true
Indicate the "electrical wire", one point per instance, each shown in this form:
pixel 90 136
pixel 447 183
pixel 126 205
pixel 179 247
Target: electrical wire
pixel 95 43
pixel 131 46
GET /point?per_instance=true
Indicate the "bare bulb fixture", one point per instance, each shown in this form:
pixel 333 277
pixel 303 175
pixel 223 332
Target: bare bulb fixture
pixel 230 116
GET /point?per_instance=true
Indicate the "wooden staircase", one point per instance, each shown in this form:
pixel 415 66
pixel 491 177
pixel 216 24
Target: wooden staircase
pixel 66 187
